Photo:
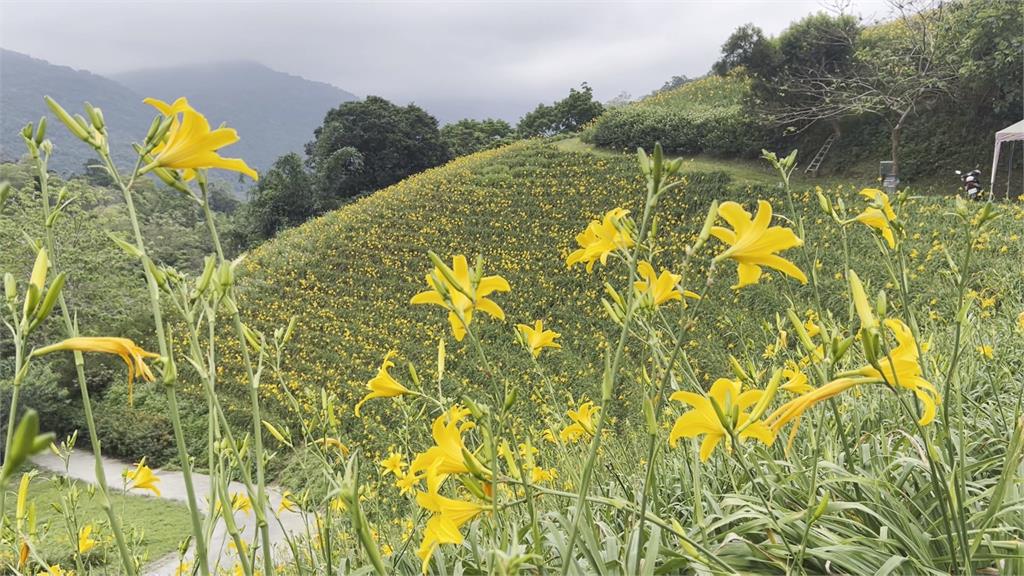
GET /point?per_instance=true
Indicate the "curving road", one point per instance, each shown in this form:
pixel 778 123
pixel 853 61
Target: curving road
pixel 81 466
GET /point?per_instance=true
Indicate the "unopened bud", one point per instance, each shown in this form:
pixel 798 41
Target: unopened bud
pixel 860 302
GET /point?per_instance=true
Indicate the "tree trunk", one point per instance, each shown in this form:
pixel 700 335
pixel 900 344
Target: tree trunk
pixel 894 140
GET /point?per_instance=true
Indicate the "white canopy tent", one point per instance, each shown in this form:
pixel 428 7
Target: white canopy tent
pixel 1009 134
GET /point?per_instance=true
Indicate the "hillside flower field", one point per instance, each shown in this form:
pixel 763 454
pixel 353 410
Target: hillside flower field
pixel 537 361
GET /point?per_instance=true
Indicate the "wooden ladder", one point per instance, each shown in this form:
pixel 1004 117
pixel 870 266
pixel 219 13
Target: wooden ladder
pixel 812 168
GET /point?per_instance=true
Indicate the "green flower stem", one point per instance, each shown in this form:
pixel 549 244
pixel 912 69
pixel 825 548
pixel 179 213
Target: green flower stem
pixel 236 318
pixel 127 560
pixel 610 377
pixel 738 455
pixel 652 437
pixel 169 389
pixel 624 505
pixel 19 375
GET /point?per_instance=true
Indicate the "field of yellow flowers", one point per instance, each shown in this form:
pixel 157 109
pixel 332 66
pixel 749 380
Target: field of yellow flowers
pixel 532 360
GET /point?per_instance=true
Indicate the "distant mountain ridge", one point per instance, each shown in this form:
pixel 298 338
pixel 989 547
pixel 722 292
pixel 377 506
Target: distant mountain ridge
pixel 274 113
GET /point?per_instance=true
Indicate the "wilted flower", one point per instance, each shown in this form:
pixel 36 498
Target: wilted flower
pixel 132 355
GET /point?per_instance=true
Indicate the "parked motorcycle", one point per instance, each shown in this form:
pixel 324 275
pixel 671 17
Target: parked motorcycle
pixel 972 183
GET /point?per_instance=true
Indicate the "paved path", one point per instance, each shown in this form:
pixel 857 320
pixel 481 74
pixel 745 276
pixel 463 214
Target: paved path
pixel 172 487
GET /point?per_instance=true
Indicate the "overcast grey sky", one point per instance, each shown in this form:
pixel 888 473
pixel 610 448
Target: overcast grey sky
pixel 481 56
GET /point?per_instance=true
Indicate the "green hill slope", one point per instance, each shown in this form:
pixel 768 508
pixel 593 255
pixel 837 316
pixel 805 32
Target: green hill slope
pixel 348 276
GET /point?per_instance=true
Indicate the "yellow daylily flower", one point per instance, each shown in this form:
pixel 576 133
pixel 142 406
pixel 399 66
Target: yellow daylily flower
pixel 601 238
pixel 407 483
pixel 133 355
pixel 333 443
pixel 447 451
pixel 753 243
pixel 986 351
pixel 703 420
pixel 56 570
pixel 444 527
pixel 582 422
pixel 658 289
pixel 878 218
pixel 142 478
pixel 538 475
pixel 537 338
pixel 191 145
pixel 458 301
pixel 85 540
pixel 383 385
pixel 287 503
pixel 241 503
pixel 394 464
pixel 796 381
pixel 900 368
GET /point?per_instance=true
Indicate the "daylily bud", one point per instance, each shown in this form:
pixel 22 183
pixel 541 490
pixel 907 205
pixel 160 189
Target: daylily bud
pixel 26 442
pixel 157 273
pixel 38 278
pixel 290 329
pixel 652 422
pixel 96 116
pixel 27 131
pixel 767 397
pixel 839 347
pixel 643 161
pixel 881 304
pixel 10 288
pixel 31 301
pixel 209 266
pixel 41 131
pixel 860 302
pixel 819 511
pixel 801 331
pixel 49 301
pixel 510 399
pixel 709 222
pixel 738 370
pixel 5 192
pixel 413 375
pixel 130 248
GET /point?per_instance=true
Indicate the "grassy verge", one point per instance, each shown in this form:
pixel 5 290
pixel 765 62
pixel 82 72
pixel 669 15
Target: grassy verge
pixel 156 526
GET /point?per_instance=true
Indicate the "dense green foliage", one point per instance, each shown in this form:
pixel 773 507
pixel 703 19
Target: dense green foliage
pixel 569 114
pixel 926 88
pixel 468 136
pixel 107 292
pixel 392 142
pixel 702 116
